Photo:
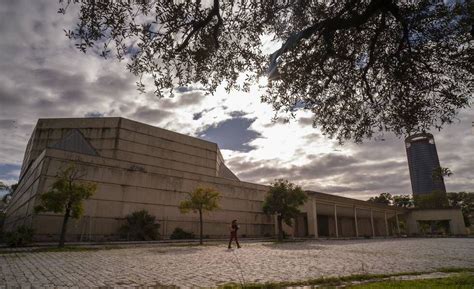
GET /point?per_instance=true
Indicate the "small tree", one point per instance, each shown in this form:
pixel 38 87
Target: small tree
pixel 383 198
pixel 140 225
pixel 403 201
pixel 439 173
pixel 202 199
pixel 66 196
pixel 283 199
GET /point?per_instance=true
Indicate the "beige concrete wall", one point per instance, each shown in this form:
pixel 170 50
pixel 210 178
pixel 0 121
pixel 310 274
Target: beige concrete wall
pixel 454 216
pixel 130 141
pixel 20 209
pixel 122 191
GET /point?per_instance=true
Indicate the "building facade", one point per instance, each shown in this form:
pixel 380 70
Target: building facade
pixel 422 162
pixel 138 166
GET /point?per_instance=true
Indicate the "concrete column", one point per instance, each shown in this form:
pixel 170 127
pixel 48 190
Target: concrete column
pixel 335 221
pixel 372 222
pixel 355 222
pixel 386 223
pixel 315 219
pixel 398 224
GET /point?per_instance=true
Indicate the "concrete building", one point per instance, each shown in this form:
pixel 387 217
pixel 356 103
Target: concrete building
pixel 422 161
pixel 138 166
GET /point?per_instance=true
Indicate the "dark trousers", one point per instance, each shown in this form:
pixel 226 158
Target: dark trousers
pixel 233 236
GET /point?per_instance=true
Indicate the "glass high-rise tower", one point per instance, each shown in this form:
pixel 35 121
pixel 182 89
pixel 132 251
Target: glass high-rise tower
pixel 422 162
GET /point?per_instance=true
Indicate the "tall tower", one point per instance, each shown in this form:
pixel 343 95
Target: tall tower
pixel 422 161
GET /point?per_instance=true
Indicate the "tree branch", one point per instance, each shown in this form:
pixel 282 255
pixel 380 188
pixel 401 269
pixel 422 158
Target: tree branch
pixel 203 23
pixel 327 26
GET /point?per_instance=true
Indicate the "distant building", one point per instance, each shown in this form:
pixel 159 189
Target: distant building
pixel 422 161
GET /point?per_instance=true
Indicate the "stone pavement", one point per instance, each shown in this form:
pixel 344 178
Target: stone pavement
pixel 209 266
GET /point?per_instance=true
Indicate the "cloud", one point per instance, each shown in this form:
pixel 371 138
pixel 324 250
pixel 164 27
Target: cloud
pixel 232 134
pixel 182 100
pixel 150 115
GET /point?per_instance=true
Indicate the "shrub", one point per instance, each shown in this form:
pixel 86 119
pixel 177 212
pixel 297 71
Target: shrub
pixel 22 236
pixel 179 233
pixel 140 226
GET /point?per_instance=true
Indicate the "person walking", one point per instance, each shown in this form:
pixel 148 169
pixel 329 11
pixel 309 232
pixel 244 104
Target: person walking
pixel 233 233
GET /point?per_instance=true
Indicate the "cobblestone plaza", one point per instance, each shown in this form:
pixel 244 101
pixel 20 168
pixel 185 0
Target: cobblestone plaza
pixel 209 266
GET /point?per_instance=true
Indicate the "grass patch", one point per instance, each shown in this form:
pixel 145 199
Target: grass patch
pixel 329 281
pixel 462 280
pixel 336 281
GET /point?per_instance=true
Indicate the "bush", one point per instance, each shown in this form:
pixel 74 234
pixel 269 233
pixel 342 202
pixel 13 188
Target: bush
pixel 140 226
pixel 22 236
pixel 179 233
pixel 434 200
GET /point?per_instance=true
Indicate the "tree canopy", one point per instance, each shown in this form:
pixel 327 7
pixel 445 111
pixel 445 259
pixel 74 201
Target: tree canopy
pixel 383 198
pixel 403 201
pixel 361 66
pixel 283 199
pixel 201 200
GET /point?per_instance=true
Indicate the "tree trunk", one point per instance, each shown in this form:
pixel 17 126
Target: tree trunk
pixel 200 227
pixel 64 227
pixel 280 228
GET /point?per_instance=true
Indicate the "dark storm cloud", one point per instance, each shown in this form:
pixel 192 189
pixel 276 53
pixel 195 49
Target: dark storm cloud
pixel 150 115
pixel 7 123
pixel 55 78
pixel 114 82
pixel 320 166
pixel 182 100
pixel 351 175
pixel 304 121
pixel 232 134
pixel 9 97
pixel 184 89
pixel 237 114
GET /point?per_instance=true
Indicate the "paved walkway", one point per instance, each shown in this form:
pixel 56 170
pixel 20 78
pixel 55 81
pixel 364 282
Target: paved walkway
pixel 212 265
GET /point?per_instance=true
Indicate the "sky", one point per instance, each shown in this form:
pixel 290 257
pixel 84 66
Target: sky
pixel 42 75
